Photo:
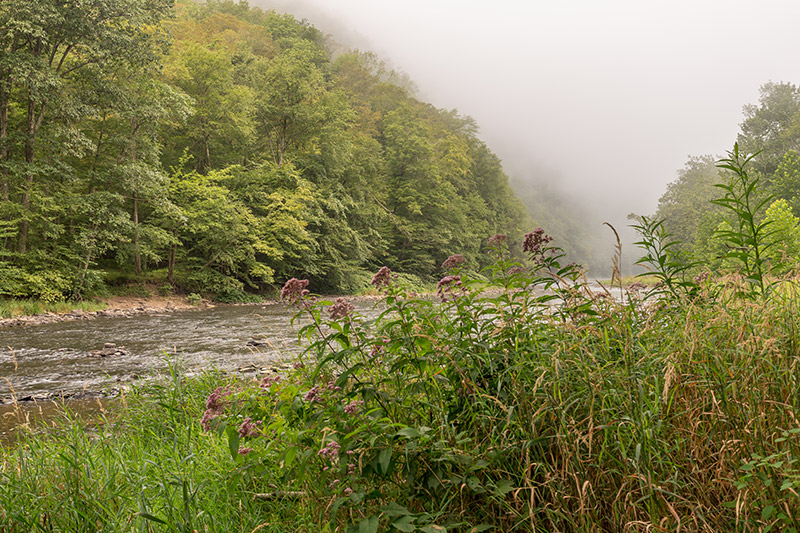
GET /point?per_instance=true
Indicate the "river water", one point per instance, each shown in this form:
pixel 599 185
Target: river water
pixel 55 358
pixel 52 359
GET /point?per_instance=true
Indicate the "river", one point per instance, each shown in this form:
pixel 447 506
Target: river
pixel 56 358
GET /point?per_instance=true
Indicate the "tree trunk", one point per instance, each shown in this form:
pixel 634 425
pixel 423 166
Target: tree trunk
pixel 30 138
pixel 5 192
pixel 86 263
pixel 137 257
pixel 4 185
pixel 171 262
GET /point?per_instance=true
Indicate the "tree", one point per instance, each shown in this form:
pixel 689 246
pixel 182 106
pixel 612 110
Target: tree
pixel 46 45
pixel 687 199
pixel 222 120
pixel 772 127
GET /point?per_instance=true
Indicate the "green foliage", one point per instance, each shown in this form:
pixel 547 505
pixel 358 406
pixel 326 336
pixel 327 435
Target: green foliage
pixel 282 162
pixel 480 411
pixel 785 232
pixel 748 239
pixel 686 201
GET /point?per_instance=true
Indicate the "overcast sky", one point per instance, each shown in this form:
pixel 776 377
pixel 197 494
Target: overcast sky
pixel 611 96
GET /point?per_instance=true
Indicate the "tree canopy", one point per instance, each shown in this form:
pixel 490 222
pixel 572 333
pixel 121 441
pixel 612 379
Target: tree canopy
pixel 221 148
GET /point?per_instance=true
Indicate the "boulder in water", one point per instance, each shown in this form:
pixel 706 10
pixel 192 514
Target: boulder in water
pixel 109 350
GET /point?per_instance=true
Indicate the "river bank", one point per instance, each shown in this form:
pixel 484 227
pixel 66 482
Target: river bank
pixel 115 306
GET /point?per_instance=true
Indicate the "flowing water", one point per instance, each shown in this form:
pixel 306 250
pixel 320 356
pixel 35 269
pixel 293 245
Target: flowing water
pixel 56 358
pixel 52 359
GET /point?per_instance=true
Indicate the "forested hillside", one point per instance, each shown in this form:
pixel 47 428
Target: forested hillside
pixel 219 148
pixel 771 129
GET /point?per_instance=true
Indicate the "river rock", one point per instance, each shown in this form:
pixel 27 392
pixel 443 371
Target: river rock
pixel 109 350
pixel 256 343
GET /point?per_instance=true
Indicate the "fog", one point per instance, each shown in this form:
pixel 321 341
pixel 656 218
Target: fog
pixel 605 100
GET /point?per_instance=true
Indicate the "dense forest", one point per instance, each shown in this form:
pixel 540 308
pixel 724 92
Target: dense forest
pixel 218 148
pixel 770 129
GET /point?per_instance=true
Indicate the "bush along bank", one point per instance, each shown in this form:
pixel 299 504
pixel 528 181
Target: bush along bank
pixel 523 402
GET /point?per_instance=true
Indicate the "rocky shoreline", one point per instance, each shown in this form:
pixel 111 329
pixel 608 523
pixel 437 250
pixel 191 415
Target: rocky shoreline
pixel 137 308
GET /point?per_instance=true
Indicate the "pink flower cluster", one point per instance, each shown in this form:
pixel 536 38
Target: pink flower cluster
pixel 383 278
pixel 454 261
pixel 294 290
pixel 249 428
pixel 269 381
pixel 535 243
pixel 498 240
pixel 215 406
pixel 313 395
pixel 330 451
pixel 340 309
pixel 353 407
pixel 447 286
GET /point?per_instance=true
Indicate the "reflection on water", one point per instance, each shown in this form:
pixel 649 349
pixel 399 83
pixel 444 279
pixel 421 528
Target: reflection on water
pixel 56 357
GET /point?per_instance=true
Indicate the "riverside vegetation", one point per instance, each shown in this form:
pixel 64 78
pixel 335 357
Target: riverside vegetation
pixel 219 149
pixel 515 401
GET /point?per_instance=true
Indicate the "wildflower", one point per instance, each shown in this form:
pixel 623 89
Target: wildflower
pixel 340 309
pixel 330 451
pixel 244 451
pixel 454 261
pixel 446 286
pixel 383 278
pixel 498 240
pixel 313 395
pixel 535 243
pixel 269 381
pixel 249 428
pixel 353 407
pixel 378 348
pixel 348 491
pixel 294 290
pixel 333 483
pixel 215 406
pixel 215 401
pixel 333 386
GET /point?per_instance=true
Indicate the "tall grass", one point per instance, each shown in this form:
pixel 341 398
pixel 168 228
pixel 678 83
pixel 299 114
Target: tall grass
pixel 147 466
pixel 514 409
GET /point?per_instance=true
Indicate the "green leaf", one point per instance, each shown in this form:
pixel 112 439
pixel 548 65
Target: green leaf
pixel 148 516
pixel 409 433
pixel 394 509
pixel 384 458
pixel 369 525
pixel 404 523
pixel 767 512
pixel 503 487
pixel 289 456
pixel 233 441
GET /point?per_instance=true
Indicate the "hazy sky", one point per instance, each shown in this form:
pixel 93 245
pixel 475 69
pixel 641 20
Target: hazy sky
pixel 611 96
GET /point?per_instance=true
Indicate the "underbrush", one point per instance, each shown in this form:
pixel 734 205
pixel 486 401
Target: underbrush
pixel 9 308
pixel 529 404
pixel 523 403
